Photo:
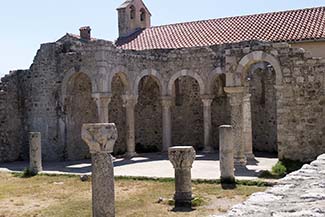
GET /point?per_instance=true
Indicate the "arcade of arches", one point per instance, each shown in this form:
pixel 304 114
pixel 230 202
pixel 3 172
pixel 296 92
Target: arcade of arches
pixel 150 122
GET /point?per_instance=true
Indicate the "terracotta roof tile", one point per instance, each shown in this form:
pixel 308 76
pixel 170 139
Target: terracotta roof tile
pixel 294 25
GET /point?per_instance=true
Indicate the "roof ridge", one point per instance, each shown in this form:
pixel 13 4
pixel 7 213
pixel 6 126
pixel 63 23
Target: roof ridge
pixel 240 16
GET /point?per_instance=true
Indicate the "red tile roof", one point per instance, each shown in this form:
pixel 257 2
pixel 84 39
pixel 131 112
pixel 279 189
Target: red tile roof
pixel 294 25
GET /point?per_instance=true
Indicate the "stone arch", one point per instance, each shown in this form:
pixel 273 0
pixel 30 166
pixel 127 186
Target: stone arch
pixel 153 74
pixel 212 77
pixel 255 57
pixel 122 72
pixel 69 77
pixel 79 108
pixel 189 73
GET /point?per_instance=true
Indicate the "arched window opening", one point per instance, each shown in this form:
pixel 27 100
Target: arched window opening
pixel 142 15
pixel 132 12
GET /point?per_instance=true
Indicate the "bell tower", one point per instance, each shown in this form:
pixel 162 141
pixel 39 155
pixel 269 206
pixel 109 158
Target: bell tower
pixel 133 15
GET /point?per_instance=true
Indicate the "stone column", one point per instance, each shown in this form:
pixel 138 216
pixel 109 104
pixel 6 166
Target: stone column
pixel 35 152
pixel 167 122
pixel 235 96
pixel 129 103
pixel 101 139
pixel 207 100
pixel 226 154
pixel 247 127
pixel 102 100
pixel 182 158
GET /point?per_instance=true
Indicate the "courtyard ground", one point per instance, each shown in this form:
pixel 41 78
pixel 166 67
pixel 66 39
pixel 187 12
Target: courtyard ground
pixel 205 166
pixel 67 196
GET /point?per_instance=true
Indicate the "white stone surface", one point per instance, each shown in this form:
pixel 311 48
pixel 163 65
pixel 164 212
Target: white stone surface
pixel 299 194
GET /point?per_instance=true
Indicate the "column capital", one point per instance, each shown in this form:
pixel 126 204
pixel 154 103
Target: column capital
pixel 102 98
pixel 98 95
pixel 182 157
pixel 207 99
pixel 166 101
pixel 247 97
pixel 234 90
pixel 130 100
pixel 100 137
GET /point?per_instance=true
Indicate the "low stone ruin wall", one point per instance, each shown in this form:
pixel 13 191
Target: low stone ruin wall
pixel 301 193
pixel 11 129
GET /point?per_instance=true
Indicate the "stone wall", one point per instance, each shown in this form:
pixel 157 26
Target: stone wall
pixel 117 115
pixel 148 117
pixel 263 106
pixel 301 193
pixel 11 119
pixel 300 84
pixel 187 75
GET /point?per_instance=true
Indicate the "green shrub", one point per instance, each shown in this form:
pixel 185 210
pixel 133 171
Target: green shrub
pixel 27 173
pixel 279 169
pixel 197 201
pixel 171 202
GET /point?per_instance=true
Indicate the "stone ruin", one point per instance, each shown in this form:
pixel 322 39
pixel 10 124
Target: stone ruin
pixel 55 97
pixel 272 93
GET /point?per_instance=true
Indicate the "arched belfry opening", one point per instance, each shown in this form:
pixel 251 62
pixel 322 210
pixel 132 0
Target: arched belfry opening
pixel 148 121
pixel 79 108
pixel 133 16
pixel 260 81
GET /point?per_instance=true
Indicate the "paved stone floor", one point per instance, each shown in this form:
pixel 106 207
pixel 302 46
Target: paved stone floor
pixel 206 166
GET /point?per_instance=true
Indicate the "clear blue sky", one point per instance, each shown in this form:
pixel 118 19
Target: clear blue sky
pixel 25 24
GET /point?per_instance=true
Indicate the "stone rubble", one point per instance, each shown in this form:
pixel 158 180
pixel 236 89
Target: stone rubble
pixel 299 194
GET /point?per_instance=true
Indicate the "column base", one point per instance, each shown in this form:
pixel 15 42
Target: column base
pixel 250 156
pixel 183 199
pixel 130 155
pixel 208 150
pixel 240 161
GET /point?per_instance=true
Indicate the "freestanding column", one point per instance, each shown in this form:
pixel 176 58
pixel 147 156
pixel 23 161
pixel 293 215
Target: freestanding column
pixel 207 100
pixel 235 95
pixel 35 152
pixel 101 139
pixel 167 122
pixel 102 101
pixel 182 158
pixel 247 127
pixel 129 104
pixel 226 154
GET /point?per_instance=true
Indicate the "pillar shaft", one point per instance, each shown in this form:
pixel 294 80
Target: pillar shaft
pixel 167 122
pixel 235 95
pixel 35 152
pixel 207 101
pixel 129 104
pixel 101 139
pixel 226 154
pixel 102 185
pixel 247 127
pixel 102 100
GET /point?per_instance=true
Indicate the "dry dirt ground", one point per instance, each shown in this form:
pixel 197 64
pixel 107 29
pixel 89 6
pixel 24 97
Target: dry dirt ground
pixel 60 196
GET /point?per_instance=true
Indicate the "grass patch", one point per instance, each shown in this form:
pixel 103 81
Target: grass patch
pixel 27 173
pixel 259 183
pixel 65 195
